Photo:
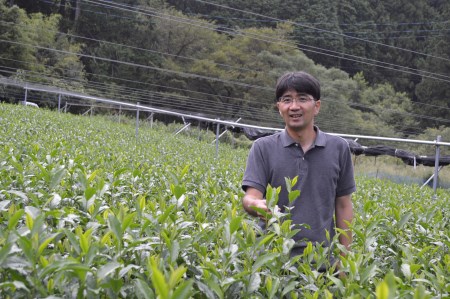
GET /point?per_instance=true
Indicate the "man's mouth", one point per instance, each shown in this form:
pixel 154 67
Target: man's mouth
pixel 297 115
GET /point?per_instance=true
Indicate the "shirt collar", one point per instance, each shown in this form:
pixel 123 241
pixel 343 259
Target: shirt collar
pixel 321 138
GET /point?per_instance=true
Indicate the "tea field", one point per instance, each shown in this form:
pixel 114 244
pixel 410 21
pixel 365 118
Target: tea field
pixel 87 210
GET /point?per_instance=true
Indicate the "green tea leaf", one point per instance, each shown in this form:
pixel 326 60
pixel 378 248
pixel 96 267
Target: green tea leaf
pixel 213 285
pixel 184 290
pixel 14 219
pixel 4 252
pixel 20 194
pixel 254 283
pixel 176 276
pixel 143 290
pixel 45 243
pixel 115 227
pixel 264 259
pixel 159 283
pixel 235 224
pixel 382 290
pixel 107 269
pixel 293 195
pixel 4 204
pixel 289 287
pixel 56 177
pixel 89 192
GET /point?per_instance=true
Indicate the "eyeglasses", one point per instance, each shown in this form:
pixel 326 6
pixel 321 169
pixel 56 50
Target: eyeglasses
pixel 303 99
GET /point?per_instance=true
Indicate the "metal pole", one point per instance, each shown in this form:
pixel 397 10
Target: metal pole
pixel 120 112
pixel 436 165
pixel 151 120
pixel 65 107
pixel 217 140
pixel 430 178
pixel 137 120
pixel 59 103
pixel 224 132
pixel 26 95
pixel 92 108
pixel 183 128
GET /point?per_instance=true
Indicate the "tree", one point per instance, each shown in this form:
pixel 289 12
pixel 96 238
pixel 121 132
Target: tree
pixel 117 42
pixel 433 95
pixel 34 51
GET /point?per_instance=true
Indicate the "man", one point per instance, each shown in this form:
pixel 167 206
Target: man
pixel 321 161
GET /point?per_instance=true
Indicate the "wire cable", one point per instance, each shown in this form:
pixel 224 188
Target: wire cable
pixel 303 47
pixel 320 30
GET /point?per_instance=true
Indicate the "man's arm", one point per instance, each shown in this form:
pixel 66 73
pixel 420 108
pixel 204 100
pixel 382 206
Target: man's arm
pixel 253 198
pixel 344 216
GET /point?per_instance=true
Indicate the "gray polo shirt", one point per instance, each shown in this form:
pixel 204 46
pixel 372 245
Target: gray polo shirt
pixel 324 173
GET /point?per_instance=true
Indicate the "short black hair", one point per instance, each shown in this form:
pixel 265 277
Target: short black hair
pixel 301 82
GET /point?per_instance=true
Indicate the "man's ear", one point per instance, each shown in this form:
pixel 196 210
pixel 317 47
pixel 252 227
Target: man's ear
pixel 316 107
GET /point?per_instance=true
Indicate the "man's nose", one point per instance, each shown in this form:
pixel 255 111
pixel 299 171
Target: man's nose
pixel 295 104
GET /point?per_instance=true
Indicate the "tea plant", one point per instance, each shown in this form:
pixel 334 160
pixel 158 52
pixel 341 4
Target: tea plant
pixel 87 210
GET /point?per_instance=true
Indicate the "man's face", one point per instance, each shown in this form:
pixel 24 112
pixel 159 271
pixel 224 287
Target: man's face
pixel 298 110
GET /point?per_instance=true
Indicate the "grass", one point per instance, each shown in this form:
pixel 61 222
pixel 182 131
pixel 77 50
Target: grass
pixel 391 168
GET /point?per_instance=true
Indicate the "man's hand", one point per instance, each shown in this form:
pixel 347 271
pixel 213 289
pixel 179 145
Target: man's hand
pixel 253 198
pixel 344 216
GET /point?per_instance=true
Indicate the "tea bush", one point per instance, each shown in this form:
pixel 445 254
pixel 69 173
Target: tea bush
pixel 87 210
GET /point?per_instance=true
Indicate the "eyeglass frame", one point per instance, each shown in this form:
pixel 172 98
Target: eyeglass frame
pixel 302 99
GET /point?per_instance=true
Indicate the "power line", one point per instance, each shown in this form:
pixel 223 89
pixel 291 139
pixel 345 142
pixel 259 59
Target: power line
pixel 143 97
pixel 139 65
pixel 367 23
pixel 74 53
pixel 412 72
pixel 320 30
pixel 133 47
pixel 312 49
pixel 365 107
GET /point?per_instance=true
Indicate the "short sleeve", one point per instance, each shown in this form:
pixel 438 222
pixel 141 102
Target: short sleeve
pixel 256 171
pixel 346 183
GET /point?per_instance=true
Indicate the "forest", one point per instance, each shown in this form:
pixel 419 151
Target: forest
pixel 384 66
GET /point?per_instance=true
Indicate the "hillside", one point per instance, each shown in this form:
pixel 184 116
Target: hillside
pixel 383 67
